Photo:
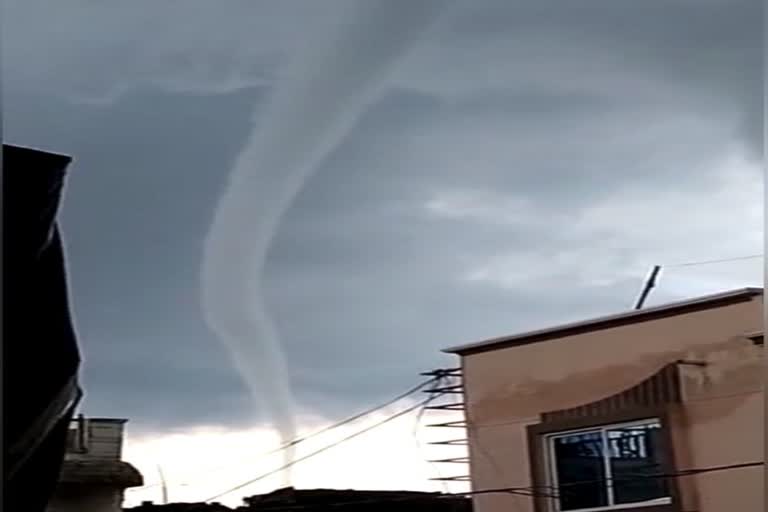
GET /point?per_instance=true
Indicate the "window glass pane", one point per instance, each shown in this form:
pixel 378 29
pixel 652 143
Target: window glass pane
pixel 580 470
pixel 634 453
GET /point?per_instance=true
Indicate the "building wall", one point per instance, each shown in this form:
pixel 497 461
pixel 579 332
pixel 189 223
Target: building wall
pixel 87 499
pixel 106 440
pixel 103 440
pixel 721 423
pixel 507 389
pixel 93 477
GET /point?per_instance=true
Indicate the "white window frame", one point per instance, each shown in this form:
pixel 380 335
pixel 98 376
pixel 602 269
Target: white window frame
pixel 551 465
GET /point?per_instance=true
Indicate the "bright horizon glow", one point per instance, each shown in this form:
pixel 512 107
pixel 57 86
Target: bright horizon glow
pixel 201 462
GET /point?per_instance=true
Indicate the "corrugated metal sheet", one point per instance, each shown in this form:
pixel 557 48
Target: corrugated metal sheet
pixel 661 388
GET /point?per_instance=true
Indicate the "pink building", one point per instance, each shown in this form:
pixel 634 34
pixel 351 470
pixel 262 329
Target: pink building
pixel 611 413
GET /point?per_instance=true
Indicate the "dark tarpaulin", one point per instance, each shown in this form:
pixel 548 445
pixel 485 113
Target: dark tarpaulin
pixel 40 353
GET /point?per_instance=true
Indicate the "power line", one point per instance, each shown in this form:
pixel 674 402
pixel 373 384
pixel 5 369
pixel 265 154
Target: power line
pixel 712 469
pixel 319 432
pixel 440 381
pixel 710 262
pixel 633 478
pixel 533 491
pixel 324 449
pixel 650 282
pixel 364 413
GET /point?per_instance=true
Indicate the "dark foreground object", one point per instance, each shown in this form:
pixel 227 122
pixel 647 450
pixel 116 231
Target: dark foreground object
pixel 322 500
pixel 40 354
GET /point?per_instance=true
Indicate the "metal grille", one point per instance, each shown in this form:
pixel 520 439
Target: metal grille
pixel 661 388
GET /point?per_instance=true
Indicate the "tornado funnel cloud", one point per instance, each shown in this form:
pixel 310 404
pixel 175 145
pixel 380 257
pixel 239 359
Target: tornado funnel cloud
pixel 329 82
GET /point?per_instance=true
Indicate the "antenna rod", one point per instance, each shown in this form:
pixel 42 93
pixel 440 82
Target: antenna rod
pixel 81 434
pixel 649 284
pixel 164 484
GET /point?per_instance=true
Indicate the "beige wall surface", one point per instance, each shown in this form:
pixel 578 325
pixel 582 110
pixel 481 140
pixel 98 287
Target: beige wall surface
pixel 507 389
pixel 720 424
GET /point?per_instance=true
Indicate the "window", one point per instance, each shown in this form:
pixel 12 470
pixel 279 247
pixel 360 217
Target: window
pixel 608 467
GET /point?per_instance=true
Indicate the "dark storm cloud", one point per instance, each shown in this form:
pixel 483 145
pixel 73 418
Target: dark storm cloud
pixel 522 171
pixel 710 52
pixel 140 195
pixel 706 47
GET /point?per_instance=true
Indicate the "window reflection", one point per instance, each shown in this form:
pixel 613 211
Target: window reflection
pixel 580 470
pixel 608 466
pixel 634 459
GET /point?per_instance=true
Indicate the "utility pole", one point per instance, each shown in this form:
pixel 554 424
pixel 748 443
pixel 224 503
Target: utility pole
pixel 163 484
pixel 649 284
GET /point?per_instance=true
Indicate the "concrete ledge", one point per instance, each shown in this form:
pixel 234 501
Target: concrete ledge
pixel 111 472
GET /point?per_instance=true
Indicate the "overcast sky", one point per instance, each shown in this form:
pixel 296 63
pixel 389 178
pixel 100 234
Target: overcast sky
pixel 526 165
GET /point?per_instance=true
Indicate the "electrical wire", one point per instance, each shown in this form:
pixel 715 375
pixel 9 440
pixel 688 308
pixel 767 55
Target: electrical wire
pixel 633 478
pixel 710 262
pixel 319 432
pixel 650 283
pixel 324 449
pixel 441 381
pixel 531 492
